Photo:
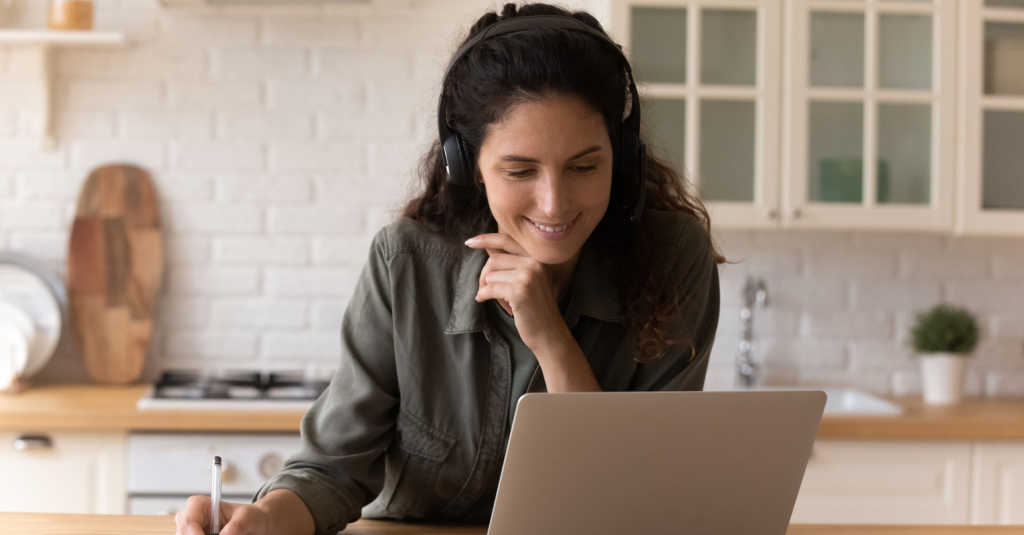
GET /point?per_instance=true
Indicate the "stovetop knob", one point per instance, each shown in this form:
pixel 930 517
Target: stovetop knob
pixel 270 465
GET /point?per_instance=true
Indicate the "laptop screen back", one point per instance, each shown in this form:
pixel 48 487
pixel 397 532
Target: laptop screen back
pixel 655 462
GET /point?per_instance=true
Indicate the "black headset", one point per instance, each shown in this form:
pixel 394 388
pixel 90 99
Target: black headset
pixel 630 151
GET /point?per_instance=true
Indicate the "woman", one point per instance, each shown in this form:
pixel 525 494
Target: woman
pixel 528 276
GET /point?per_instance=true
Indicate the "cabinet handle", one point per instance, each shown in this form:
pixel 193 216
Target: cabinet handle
pixel 32 442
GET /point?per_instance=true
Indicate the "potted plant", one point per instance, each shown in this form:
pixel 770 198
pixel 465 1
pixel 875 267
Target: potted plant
pixel 944 336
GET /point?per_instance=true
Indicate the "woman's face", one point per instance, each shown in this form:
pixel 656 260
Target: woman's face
pixel 547 169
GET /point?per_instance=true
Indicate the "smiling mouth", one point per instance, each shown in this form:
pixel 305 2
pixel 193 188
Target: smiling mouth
pixel 552 229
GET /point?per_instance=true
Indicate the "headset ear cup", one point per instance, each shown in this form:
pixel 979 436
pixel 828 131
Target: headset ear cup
pixel 467 163
pixel 454 160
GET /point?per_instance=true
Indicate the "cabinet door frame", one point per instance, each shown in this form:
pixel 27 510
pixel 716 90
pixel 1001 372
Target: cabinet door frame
pixel 972 104
pixel 763 211
pixel 797 212
pixel 991 487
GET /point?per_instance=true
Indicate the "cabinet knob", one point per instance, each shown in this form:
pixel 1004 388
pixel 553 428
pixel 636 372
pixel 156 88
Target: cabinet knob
pixel 772 213
pixel 797 213
pixel 270 465
pixel 32 442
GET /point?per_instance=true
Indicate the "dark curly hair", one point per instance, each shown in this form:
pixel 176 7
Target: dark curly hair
pixel 504 71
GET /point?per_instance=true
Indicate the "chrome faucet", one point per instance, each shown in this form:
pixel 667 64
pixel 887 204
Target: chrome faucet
pixel 754 295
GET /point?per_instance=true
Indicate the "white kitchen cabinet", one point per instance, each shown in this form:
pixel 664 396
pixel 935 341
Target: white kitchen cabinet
pixel 868 124
pixel 773 108
pixel 709 70
pixel 885 482
pixel 77 473
pixel 991 107
pixel 997 495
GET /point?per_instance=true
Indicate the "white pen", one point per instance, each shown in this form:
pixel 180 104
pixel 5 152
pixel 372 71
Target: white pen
pixel 215 495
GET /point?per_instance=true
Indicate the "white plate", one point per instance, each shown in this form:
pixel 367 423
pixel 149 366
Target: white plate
pixel 13 353
pixel 29 292
pixel 19 318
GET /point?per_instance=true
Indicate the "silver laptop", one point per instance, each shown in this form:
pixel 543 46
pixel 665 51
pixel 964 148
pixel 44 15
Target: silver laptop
pixel 655 462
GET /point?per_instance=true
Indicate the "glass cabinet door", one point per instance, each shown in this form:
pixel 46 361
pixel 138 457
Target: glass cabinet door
pixel 709 72
pixel 992 107
pixel 869 107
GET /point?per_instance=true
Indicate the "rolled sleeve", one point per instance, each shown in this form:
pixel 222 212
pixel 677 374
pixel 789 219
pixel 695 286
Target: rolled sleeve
pixel 339 467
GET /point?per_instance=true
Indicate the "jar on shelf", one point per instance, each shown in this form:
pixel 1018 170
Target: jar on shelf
pixel 70 14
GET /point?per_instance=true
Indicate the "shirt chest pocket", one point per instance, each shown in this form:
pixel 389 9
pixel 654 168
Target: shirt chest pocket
pixel 422 450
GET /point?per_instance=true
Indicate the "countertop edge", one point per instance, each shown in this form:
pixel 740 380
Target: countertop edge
pixel 100 409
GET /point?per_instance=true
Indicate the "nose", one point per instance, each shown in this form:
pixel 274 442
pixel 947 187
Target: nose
pixel 552 195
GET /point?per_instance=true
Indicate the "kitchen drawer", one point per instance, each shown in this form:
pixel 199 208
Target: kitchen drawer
pixel 885 482
pixel 75 473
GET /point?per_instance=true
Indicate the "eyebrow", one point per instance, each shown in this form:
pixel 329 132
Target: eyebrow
pixel 514 158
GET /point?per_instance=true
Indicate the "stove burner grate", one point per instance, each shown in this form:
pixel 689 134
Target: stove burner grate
pixel 238 384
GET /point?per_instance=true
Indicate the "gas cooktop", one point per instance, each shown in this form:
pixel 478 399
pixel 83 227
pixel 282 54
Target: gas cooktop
pixel 235 389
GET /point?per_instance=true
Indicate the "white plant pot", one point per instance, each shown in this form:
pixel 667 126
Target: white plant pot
pixel 942 377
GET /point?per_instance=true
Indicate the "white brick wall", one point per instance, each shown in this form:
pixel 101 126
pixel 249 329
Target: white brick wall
pixel 280 140
pixel 841 306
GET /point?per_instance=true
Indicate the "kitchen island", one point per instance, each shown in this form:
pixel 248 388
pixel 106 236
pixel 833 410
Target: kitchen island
pixel 54 524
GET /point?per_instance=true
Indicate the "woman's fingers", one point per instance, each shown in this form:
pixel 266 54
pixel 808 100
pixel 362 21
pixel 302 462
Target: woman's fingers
pixel 503 291
pixel 520 277
pixel 195 517
pixel 497 242
pixel 503 262
pixel 508 263
pixel 245 520
pixel 234 518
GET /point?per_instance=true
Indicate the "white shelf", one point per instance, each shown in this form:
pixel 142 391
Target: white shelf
pixel 43 42
pixel 60 37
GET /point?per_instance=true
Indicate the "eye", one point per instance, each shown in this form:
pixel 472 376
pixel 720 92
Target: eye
pixel 585 169
pixel 518 174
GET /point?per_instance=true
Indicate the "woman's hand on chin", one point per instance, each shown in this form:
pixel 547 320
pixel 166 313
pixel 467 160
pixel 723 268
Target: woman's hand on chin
pixel 523 287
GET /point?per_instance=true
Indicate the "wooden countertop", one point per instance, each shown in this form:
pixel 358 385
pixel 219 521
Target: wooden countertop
pixel 90 408
pixel 62 524
pixel 973 419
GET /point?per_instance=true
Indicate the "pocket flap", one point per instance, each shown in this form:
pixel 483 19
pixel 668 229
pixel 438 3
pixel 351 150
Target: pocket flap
pixel 419 438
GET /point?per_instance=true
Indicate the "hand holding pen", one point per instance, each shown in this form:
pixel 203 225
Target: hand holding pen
pixel 280 511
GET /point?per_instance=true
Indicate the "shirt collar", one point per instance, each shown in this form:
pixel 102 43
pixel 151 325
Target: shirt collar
pixel 594 292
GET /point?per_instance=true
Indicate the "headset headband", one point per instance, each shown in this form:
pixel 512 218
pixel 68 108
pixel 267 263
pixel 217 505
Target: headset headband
pixel 530 22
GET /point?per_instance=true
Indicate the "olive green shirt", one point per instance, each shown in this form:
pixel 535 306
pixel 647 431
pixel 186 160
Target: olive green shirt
pixel 413 424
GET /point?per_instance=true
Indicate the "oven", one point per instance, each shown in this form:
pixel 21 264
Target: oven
pixel 165 468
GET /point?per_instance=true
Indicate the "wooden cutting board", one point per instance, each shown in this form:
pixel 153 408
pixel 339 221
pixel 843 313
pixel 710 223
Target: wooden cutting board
pixel 115 272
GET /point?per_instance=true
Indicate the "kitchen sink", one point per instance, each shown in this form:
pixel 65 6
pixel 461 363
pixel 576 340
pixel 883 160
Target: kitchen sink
pixel 853 402
pixel 846 401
